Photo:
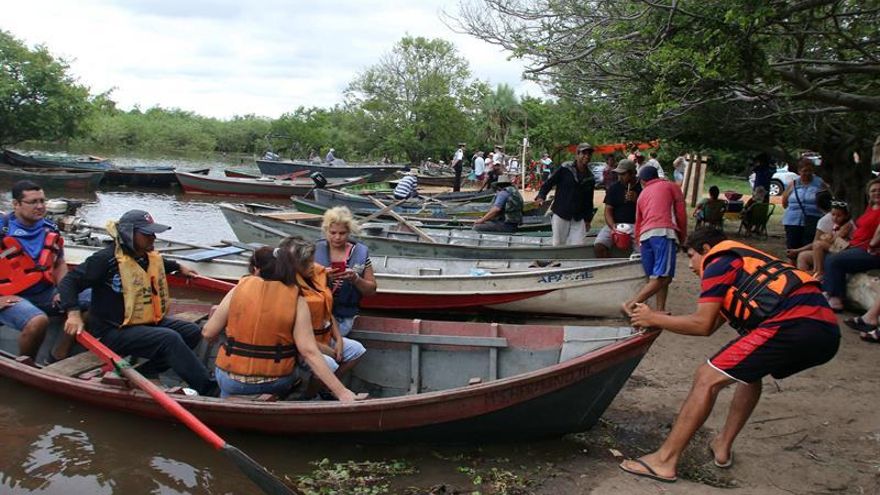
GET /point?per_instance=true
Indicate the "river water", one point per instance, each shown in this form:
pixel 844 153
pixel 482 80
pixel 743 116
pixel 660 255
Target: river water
pixel 52 446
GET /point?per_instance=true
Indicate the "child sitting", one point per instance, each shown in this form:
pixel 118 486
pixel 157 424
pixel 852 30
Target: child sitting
pixel 832 235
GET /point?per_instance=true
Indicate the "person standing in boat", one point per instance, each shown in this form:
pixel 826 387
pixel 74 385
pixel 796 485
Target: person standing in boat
pixel 350 268
pixel 457 165
pixel 573 206
pixel 785 326
pixel 330 156
pixel 264 338
pixel 340 353
pixel 31 265
pixel 130 302
pixel 506 212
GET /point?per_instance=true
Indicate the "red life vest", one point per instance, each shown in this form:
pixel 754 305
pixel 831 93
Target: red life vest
pixel 19 272
pixel 760 287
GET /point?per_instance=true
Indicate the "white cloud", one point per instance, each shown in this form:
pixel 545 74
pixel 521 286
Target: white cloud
pixel 225 58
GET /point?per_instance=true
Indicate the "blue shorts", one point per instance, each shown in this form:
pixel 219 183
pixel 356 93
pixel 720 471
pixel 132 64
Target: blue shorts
pixel 658 257
pixel 19 314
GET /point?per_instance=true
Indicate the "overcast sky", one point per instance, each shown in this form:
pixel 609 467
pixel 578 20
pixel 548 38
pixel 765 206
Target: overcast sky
pixel 222 58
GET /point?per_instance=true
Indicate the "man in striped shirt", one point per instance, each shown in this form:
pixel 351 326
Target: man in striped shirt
pixel 785 326
pixel 408 186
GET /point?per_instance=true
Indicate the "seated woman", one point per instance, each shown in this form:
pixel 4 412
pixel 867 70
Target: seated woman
pixel 264 337
pixel 351 271
pixel 833 233
pixel 862 255
pixel 340 353
pixel 710 208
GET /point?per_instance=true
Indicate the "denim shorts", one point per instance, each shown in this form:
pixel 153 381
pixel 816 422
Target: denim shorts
pixel 230 386
pixel 19 314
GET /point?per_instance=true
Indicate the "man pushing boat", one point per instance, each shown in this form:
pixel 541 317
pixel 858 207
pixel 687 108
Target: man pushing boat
pixel 785 326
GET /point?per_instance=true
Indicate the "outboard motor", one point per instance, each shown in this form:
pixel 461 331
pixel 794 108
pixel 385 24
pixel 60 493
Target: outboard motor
pixel 63 213
pixel 319 180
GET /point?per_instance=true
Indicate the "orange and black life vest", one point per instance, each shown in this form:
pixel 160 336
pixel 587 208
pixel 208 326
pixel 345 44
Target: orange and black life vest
pixel 319 297
pixel 18 271
pixel 760 287
pixel 259 331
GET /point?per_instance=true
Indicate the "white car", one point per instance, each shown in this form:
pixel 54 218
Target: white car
pixel 781 180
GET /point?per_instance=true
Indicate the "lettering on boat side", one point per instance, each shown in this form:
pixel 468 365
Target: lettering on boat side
pixel 534 389
pixel 553 278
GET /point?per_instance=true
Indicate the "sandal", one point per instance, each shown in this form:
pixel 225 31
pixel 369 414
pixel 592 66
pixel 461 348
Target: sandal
pixel 858 324
pixel 872 337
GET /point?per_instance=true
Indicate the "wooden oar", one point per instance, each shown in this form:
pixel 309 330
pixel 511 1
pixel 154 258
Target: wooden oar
pixel 383 211
pixel 257 473
pixel 425 237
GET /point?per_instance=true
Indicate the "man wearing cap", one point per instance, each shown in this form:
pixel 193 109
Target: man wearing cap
pixel 573 206
pixel 130 302
pixel 31 265
pixel 620 205
pixel 506 211
pixel 457 164
pixel 407 186
pixel 661 225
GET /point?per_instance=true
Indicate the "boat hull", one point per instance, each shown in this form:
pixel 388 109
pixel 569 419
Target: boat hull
pixel 59 180
pixel 372 173
pixel 43 161
pixel 252 187
pixel 140 177
pixel 560 396
pixel 242 224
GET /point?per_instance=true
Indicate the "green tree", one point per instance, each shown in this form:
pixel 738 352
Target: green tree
pixel 414 100
pixel 502 114
pixel 39 100
pixel 775 75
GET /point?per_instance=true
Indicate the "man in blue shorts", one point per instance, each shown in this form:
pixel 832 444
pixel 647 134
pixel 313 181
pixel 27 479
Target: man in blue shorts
pixel 31 265
pixel 785 326
pixel 661 224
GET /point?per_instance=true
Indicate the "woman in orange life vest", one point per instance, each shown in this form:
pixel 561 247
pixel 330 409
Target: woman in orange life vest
pixel 264 337
pixel 340 353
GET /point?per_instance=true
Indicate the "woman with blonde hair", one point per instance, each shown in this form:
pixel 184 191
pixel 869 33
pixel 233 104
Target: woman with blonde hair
pixel 350 269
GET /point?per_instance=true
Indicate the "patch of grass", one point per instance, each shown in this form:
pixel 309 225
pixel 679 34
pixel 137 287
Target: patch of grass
pixel 728 183
pixel 350 477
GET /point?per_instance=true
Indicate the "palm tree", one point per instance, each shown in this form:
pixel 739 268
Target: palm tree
pixel 501 114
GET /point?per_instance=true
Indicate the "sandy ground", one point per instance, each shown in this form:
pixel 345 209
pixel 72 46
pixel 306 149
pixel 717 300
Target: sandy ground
pixel 815 432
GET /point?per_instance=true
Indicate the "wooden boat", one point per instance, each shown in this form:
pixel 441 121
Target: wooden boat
pixel 57 179
pixel 426 379
pixel 200 182
pixel 440 180
pixel 569 287
pixel 162 176
pixel 251 227
pixel 415 206
pixel 532 225
pixel 42 160
pixel 371 173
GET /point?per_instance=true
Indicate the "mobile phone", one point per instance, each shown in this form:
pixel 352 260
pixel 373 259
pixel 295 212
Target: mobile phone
pixel 337 266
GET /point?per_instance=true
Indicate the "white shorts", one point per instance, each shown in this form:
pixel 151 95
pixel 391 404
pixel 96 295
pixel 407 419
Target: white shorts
pixel 568 232
pixel 351 350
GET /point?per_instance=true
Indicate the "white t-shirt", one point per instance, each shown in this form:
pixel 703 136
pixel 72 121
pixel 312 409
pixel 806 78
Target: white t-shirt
pixel 479 165
pixel 825 224
pixel 459 155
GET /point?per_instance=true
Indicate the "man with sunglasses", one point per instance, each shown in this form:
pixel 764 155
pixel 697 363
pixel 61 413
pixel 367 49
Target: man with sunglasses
pixel 573 206
pixel 31 265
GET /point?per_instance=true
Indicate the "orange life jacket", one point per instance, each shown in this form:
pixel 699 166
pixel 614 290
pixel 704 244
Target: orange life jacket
pixel 319 297
pixel 760 287
pixel 18 271
pixel 259 331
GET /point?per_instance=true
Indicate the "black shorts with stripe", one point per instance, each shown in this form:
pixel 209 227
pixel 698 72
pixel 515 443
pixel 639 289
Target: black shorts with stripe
pixel 781 350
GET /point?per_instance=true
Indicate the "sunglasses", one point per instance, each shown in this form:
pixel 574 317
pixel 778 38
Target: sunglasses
pixel 839 204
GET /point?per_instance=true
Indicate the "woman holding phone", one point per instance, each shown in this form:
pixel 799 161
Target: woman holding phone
pixel 350 270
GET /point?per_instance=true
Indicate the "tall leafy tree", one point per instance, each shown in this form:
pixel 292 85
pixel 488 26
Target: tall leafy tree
pixel 415 98
pixel 39 99
pixel 502 114
pixel 768 74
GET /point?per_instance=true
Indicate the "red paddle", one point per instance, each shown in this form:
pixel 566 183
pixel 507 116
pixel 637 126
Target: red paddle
pixel 257 473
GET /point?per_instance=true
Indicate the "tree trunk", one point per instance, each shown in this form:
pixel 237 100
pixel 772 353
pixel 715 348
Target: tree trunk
pixel 847 178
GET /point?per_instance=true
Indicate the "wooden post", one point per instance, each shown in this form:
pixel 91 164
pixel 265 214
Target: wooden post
pixel 694 178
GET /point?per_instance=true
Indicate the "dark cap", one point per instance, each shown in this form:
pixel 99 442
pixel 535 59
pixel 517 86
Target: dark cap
pixel 141 221
pixel 504 179
pixel 584 146
pixel 625 165
pixel 648 173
